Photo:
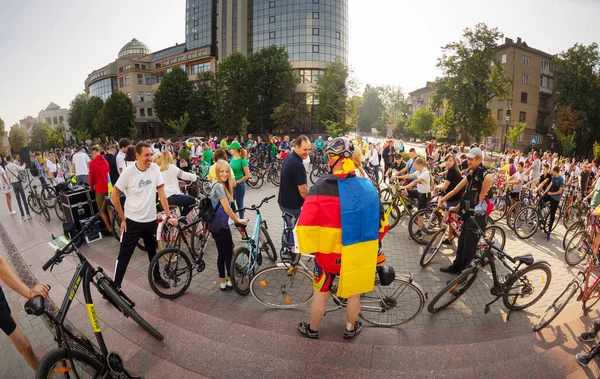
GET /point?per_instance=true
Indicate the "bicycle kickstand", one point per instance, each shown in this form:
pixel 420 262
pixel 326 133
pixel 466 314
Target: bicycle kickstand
pixel 486 309
pixel 512 306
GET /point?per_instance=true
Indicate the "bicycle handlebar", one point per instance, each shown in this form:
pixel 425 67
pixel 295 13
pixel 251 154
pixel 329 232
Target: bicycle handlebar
pixel 65 250
pixel 256 207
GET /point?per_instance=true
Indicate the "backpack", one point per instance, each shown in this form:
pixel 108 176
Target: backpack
pixel 33 170
pixel 205 209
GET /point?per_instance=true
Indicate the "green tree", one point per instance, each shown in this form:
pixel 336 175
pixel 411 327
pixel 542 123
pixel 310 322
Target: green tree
pixel 354 104
pixel 332 90
pixel 472 76
pixel 244 128
pixel 515 132
pixel 117 117
pixel 371 113
pixel 202 106
pixel 292 114
pixel 422 123
pixel 566 123
pixel 76 111
pixel 17 138
pixel 40 135
pixel 596 150
pixel 395 103
pixel 577 80
pixel 179 126
pixel 232 87
pixel 401 129
pixel 568 145
pixel 91 111
pixel 332 128
pixel 172 99
pixel 2 129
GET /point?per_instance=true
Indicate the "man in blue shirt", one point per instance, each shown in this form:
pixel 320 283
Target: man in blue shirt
pixel 319 143
pixel 553 194
pixel 410 165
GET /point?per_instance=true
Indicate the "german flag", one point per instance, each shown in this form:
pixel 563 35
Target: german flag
pixel 342 216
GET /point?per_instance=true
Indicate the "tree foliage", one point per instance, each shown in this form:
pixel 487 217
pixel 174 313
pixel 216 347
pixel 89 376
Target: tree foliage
pixel 469 81
pixel 201 106
pixel 171 100
pixel 91 111
pixel 515 132
pixel 291 115
pixel 232 92
pixel 371 113
pixel 332 90
pixel 179 126
pixel 117 117
pixel 578 82
pixel 422 122
pixel 18 138
pixel 76 111
pixel 566 122
pixel 395 103
pixel 2 129
pixel 40 135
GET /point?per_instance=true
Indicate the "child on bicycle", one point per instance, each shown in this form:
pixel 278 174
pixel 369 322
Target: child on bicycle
pixel 422 182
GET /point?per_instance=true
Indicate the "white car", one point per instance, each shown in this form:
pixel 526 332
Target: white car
pixel 190 141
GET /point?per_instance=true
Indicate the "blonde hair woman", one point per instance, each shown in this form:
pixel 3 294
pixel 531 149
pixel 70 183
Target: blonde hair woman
pixel 171 175
pixel 221 195
pixel 357 159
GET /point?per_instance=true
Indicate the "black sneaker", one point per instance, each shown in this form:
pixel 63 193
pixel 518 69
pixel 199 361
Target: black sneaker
pixel 446 242
pixel 351 333
pixel 582 359
pixel 304 328
pixel 419 234
pixel 161 282
pixel 588 336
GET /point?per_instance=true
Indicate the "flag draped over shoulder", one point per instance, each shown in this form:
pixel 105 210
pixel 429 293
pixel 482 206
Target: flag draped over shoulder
pixel 342 216
pixel 110 186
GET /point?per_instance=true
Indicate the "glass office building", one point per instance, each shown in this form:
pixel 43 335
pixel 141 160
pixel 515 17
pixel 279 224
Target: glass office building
pixel 199 23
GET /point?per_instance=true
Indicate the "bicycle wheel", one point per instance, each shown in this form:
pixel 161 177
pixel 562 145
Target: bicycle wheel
pixel 497 235
pixel 33 204
pixel 571 215
pixel 282 287
pixel 432 248
pixel 175 267
pixel 275 177
pixel 526 223
pixel 49 196
pixel 56 364
pixel 395 304
pixel 256 180
pixel 385 195
pixel 116 225
pixel 200 236
pixel 240 267
pixel 59 211
pixel 122 305
pixel 499 208
pixel 266 244
pixel 394 216
pixel 431 222
pixel 511 214
pixel 315 173
pixel 557 306
pixel 546 217
pixel 168 237
pixel 520 290
pixel 578 248
pixel 45 211
pixel 455 289
pixel 573 229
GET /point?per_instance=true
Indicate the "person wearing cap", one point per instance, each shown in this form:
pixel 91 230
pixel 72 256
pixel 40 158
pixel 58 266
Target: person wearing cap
pixel 241 172
pixel 389 152
pixel 477 185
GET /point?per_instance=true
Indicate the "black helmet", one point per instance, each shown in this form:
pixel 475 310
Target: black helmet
pixel 341 147
pixel 386 275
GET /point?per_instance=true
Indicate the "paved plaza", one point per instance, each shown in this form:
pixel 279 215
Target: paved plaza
pixel 213 333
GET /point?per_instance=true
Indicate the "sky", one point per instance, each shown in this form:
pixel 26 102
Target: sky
pixel 49 47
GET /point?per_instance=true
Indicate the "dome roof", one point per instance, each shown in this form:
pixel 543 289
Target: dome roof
pixel 134 49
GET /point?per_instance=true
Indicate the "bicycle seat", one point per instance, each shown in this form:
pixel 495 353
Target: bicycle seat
pixel 526 258
pixel 35 306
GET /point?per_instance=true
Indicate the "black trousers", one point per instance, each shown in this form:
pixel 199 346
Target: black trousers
pixel 467 244
pixel 224 242
pixel 553 208
pixel 135 231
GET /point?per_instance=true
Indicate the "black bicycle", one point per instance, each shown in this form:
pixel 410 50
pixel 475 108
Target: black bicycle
pixel 77 356
pixel 517 288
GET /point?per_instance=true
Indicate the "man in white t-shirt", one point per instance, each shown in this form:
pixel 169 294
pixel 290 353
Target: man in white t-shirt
pixel 123 145
pixel 80 166
pixel 536 166
pixel 140 183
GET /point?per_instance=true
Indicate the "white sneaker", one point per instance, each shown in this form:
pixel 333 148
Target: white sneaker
pixel 28 217
pixel 223 286
pixel 13 213
pixel 229 284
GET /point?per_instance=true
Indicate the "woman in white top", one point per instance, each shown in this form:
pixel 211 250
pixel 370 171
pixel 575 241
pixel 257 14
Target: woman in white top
pixel 171 175
pixel 56 175
pixel 7 189
pixel 130 156
pixel 196 151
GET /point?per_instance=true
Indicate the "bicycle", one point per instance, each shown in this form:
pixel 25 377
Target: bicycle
pixel 272 174
pixel 116 223
pixel 246 260
pixel 574 212
pixel 586 293
pixel 318 169
pixel 514 286
pixel 178 269
pixel 289 285
pixel 73 351
pixel 580 245
pixel 35 202
pixel 530 218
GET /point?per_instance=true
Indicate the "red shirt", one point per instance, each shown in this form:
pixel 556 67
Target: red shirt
pixel 99 171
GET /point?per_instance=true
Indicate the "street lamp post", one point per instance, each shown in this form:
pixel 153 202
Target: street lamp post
pixel 262 126
pixel 507 123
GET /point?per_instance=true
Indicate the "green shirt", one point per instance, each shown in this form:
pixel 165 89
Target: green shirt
pixel 273 150
pixel 207 156
pixel 596 196
pixel 237 165
pixel 224 144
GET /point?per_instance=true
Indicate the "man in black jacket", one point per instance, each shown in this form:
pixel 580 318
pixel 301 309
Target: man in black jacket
pixel 389 152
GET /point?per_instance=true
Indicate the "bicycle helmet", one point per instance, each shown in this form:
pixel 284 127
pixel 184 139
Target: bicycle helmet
pixel 386 275
pixel 341 147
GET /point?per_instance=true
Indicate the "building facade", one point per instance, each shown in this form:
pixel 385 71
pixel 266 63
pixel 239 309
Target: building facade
pixel 27 123
pixel 55 116
pixel 422 98
pixel 533 96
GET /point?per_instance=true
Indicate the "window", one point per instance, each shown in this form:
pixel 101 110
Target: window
pixel 127 80
pixel 129 95
pixel 525 78
pixel 140 79
pixel 195 10
pixel 121 82
pixel 196 35
pixel 141 97
pixel 157 65
pixel 54 120
pixel 315 48
pixel 190 56
pixel 271 4
pixel 546 65
pixel 142 112
pixel 148 96
pixel 196 23
pixel 48 120
pixel 120 69
pixel 165 63
pixel 540 120
pixel 180 59
pixel 525 60
pixel 172 61
pixel 315 31
pixel 127 67
pixel 503 59
pixel 338 35
pixel 61 119
pixel 521 137
pixel 543 102
pixel 136 65
pixel 149 112
pixel 271 19
pixel 500 117
pixel 271 35
pixel 200 67
pixel 148 82
pixel 524 97
pixel 540 139
pixel 143 67
pixel 316 15
pixel 522 116
pixel 202 53
pixel 315 1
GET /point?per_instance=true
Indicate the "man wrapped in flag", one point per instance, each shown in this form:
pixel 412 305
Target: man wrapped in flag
pixel 341 223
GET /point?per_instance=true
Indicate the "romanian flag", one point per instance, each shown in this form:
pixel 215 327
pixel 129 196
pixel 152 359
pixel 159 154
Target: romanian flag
pixel 342 216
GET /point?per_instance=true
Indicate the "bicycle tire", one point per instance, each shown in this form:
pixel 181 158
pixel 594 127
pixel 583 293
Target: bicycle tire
pixel 499 208
pixel 394 216
pixel 546 218
pixel 239 271
pixel 525 216
pixel 571 215
pixel 315 174
pixel 126 309
pixel 49 196
pixel 33 204
pixel 385 195
pixel 48 363
pixel 44 211
pixel 432 247
pixel 277 287
pixel 59 211
pixel 389 304
pixel 557 306
pixel 456 288
pixel 573 229
pixel 256 180
pixel 426 232
pixel 511 214
pixel 573 253
pixel 275 177
pixel 268 247
pixel 492 231
pixel 176 264
pixel 199 238
pixel 527 273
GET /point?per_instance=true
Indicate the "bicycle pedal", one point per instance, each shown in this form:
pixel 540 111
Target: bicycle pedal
pixel 486 309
